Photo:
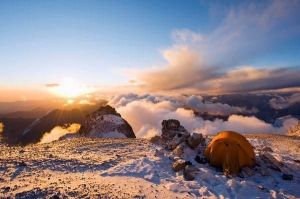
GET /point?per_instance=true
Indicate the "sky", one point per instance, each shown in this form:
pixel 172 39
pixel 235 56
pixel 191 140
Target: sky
pixel 149 46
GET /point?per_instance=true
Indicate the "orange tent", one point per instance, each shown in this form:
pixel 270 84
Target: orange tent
pixel 230 150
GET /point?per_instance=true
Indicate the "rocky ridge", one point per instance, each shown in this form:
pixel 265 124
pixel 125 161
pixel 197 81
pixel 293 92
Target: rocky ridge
pixel 106 122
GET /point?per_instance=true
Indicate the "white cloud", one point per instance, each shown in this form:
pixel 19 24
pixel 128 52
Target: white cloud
pixel 217 62
pixel 145 117
pixel 281 102
pixel 58 132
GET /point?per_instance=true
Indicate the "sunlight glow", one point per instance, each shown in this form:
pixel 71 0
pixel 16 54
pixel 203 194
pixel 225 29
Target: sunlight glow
pixel 1 127
pixel 69 88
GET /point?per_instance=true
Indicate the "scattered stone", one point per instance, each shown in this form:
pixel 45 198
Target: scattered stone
pixel 55 197
pixel 179 165
pixel 287 176
pixel 6 189
pixel 201 160
pixel 188 176
pixel 155 139
pixel 267 149
pixel 22 164
pixel 262 188
pixel 194 140
pixel 178 151
pixel 189 172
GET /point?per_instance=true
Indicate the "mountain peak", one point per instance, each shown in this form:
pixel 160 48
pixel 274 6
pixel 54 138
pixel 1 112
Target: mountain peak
pixel 106 122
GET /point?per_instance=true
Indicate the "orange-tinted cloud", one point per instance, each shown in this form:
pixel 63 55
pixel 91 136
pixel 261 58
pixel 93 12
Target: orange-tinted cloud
pixel 187 72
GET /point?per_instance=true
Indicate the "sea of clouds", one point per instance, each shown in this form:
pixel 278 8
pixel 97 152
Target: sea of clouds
pixel 145 114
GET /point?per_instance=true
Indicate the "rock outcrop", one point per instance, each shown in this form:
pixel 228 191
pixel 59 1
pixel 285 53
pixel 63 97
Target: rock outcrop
pixel 173 133
pixel 185 147
pixel 106 123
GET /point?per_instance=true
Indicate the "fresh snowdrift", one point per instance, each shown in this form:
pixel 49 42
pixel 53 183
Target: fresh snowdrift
pixel 134 168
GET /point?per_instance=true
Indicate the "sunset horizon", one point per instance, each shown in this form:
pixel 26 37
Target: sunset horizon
pixel 149 99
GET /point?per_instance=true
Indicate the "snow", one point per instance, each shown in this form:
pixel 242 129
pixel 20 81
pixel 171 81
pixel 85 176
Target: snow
pixel 113 135
pixel 107 125
pixel 133 168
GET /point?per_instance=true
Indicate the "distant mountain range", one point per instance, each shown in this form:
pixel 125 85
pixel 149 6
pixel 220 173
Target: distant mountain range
pixel 25 127
pixel 28 126
pixel 261 102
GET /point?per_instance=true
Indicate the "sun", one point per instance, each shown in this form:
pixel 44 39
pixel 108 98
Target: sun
pixel 69 88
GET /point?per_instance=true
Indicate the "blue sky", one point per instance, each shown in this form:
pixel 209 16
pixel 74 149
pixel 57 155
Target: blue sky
pixel 96 41
pixel 87 39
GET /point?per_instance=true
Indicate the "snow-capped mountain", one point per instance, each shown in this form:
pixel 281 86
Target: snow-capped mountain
pixel 106 122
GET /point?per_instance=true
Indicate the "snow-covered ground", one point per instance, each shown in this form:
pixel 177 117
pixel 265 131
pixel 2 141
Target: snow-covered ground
pixel 134 168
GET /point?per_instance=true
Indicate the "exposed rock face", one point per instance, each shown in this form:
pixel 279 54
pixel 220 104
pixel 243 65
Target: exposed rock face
pixel 194 140
pixel 185 147
pixel 173 133
pixel 106 122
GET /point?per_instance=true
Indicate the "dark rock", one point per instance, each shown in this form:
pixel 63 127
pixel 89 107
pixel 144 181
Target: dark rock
pixel 6 189
pixel 201 160
pixel 55 197
pixel 188 176
pixel 267 149
pixel 189 172
pixel 173 133
pixel 22 164
pixel 195 140
pixel 155 139
pixel 287 176
pixel 188 163
pixel 179 165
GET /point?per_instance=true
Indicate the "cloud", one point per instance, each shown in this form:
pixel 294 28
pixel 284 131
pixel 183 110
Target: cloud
pixel 58 132
pixel 217 62
pixel 185 72
pixel 281 102
pixel 193 102
pixel 246 124
pixel 146 112
pixel 51 85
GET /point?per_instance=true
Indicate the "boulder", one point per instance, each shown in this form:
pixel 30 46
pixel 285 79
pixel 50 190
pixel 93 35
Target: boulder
pixel 267 149
pixel 189 172
pixel 179 165
pixel 195 140
pixel 155 139
pixel 173 133
pixel 179 150
pixel 287 176
pixel 201 159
